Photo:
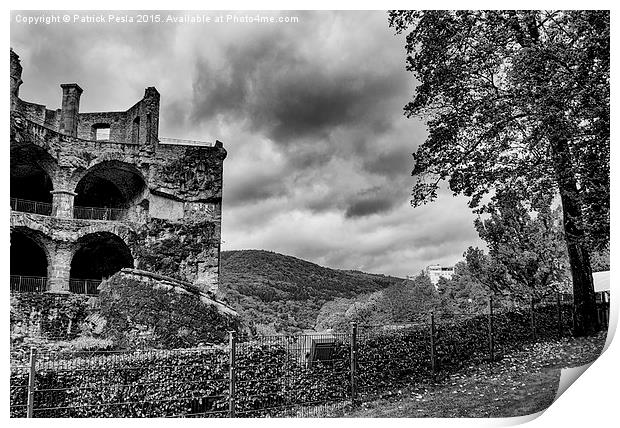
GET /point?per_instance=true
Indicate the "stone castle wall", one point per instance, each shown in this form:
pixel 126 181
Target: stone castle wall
pixel 174 192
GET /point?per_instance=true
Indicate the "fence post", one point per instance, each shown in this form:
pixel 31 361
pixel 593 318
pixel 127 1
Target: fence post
pixel 532 317
pixel 433 363
pixel 491 339
pixel 232 360
pixel 353 363
pixel 559 304
pixel 31 382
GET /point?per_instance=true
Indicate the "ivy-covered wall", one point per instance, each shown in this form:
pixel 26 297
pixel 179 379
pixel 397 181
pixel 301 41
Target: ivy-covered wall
pixel 186 249
pixel 130 312
pixel 40 319
pixel 138 314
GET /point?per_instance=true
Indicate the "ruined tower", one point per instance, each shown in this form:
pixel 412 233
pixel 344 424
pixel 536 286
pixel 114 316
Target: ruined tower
pixel 96 193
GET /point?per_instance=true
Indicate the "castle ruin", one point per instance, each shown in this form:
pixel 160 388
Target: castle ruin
pixel 96 193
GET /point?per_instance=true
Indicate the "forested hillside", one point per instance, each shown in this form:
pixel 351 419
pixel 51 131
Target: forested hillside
pixel 278 293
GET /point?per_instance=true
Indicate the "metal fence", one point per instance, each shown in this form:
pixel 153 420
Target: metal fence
pixel 35 207
pixel 95 213
pixel 38 284
pixel 28 284
pixel 270 376
pixel 84 286
pixel 273 376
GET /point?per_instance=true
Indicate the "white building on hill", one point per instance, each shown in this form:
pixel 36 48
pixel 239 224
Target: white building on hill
pixel 435 272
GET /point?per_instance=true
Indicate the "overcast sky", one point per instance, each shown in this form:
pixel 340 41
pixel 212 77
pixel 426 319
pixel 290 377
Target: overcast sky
pixel 319 151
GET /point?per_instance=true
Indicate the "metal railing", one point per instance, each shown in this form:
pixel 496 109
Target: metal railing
pixel 35 207
pixel 84 286
pixel 181 142
pixel 37 284
pixel 95 213
pixel 28 284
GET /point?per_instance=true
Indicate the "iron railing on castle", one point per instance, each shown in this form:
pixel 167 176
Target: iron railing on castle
pixel 181 142
pixel 28 284
pixel 38 284
pixel 84 286
pixel 95 213
pixel 86 213
pixel 35 207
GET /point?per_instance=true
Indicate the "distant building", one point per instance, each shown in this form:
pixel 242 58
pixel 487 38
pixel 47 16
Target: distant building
pixel 435 272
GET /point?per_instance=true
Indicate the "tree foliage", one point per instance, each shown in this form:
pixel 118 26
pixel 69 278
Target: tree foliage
pixel 464 293
pixel 517 98
pixel 404 302
pixel 279 293
pixel 526 245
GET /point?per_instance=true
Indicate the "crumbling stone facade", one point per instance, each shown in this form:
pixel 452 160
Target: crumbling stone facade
pixel 93 193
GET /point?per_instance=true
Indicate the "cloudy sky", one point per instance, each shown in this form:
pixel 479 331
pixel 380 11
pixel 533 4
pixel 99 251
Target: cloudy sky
pixel 319 152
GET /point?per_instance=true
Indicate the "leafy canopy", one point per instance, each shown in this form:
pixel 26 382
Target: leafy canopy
pixel 497 88
pixel 526 245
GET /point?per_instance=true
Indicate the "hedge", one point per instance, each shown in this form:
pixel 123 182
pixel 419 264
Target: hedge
pixel 272 375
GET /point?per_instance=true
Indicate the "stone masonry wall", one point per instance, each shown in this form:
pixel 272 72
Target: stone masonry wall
pixel 173 192
pixel 189 176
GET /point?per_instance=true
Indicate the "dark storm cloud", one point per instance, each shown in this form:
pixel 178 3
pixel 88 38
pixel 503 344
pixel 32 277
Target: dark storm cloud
pixel 93 55
pixel 289 96
pixel 256 188
pixel 392 163
pixel 373 201
pixel 279 83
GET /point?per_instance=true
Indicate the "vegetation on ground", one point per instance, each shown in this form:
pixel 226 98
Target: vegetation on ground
pixel 525 381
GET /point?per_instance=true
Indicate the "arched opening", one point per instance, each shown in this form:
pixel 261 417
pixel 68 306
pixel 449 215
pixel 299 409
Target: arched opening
pixel 107 190
pixel 98 256
pixel 30 185
pixel 28 262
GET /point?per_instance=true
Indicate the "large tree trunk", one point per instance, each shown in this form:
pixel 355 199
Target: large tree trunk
pixel 585 321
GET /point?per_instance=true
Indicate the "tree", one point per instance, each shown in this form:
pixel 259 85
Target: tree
pixel 332 313
pixel 517 98
pixel 463 293
pixel 600 260
pixel 409 299
pixel 527 241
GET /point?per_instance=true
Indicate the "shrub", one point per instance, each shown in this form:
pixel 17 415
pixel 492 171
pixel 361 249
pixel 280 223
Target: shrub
pixel 139 315
pixel 178 383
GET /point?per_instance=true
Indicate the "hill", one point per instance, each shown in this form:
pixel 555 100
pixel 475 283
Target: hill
pixel 280 293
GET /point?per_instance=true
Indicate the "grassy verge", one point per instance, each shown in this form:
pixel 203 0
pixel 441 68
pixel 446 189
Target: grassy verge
pixel 522 383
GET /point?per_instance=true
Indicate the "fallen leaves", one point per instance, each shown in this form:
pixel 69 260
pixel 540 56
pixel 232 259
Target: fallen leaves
pixel 522 382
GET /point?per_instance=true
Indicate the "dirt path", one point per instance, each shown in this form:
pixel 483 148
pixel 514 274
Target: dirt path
pixel 522 383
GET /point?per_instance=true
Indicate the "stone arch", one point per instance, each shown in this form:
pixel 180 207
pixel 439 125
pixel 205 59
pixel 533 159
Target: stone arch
pixel 108 158
pixel 124 232
pixel 98 255
pixel 110 184
pixel 30 261
pixel 32 178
